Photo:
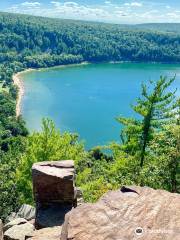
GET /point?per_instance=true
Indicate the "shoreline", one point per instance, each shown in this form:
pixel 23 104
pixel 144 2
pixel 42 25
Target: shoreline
pixel 19 83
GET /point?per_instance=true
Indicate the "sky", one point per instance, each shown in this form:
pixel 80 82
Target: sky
pixel 112 11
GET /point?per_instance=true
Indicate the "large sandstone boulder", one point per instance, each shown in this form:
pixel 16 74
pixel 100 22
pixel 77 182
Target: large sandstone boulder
pixel 54 191
pixel 130 213
pixel 53 181
pixel 1 230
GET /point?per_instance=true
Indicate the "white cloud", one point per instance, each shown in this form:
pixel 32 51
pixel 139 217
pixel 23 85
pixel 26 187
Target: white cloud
pixel 56 4
pixel 134 4
pixel 121 14
pixel 31 4
pixel 78 11
pixel 130 12
pixel 173 15
pixel 71 4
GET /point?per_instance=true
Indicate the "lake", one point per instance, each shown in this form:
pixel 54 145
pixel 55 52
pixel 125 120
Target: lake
pixel 86 99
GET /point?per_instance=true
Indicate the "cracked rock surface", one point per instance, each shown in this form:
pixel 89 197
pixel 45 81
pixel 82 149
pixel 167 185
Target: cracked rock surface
pixel 127 214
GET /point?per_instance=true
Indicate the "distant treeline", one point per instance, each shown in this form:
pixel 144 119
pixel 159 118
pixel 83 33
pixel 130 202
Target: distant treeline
pixel 27 41
pixel 161 27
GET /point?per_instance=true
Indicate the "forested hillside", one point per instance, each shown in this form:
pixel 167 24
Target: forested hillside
pixel 27 41
pixel 149 153
pixel 161 27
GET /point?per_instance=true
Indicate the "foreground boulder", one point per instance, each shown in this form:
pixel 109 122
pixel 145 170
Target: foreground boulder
pixel 130 213
pixel 1 230
pixel 54 191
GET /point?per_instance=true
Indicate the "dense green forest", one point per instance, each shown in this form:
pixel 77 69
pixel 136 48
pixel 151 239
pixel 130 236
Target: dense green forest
pixel 150 149
pixel 27 41
pixel 161 27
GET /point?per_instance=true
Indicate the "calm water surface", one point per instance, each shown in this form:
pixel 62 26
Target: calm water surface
pixel 86 99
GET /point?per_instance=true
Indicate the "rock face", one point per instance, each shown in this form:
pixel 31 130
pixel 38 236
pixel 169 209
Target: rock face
pixel 1 230
pixel 53 181
pixel 130 213
pixel 51 215
pixel 54 191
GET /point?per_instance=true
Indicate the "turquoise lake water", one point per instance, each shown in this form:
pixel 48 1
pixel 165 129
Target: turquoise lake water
pixel 86 99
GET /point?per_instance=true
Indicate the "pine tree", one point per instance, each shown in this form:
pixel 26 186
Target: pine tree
pixel 166 150
pixel 156 108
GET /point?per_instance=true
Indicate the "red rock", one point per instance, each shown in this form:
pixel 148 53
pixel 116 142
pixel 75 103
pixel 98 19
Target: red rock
pixel 53 181
pixel 127 214
pixel 54 192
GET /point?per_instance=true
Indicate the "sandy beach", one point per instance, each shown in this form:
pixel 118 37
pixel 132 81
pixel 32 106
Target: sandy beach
pixel 19 83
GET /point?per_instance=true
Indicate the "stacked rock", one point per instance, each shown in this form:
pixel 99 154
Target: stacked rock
pixel 54 191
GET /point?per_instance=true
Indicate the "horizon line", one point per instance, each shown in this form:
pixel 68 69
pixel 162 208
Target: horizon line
pixel 89 21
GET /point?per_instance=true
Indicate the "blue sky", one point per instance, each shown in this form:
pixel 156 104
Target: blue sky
pixel 116 11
